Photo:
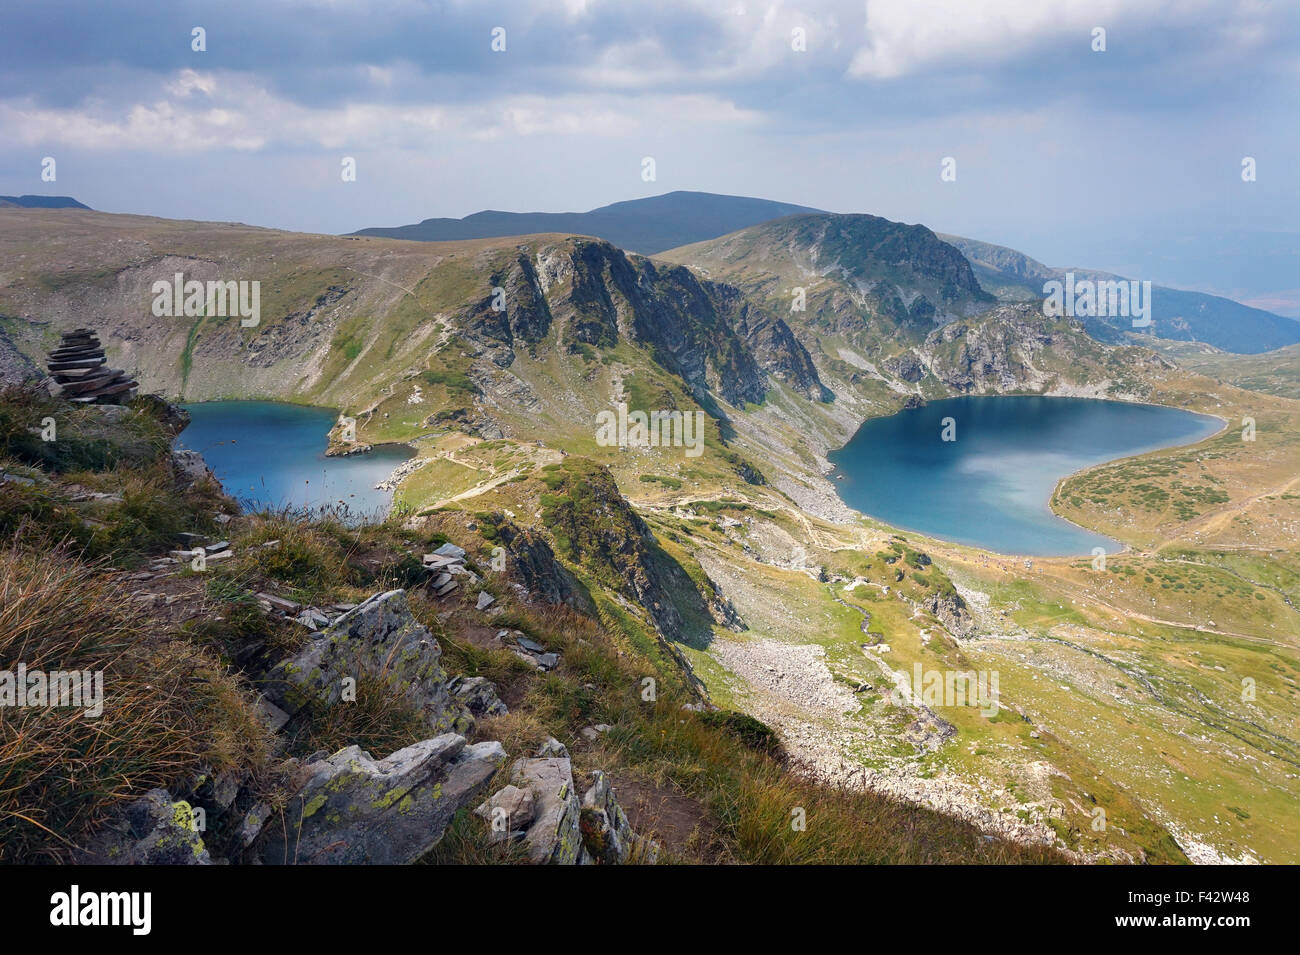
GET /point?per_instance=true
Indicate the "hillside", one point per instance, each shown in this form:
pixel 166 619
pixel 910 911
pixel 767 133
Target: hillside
pixel 739 569
pixel 646 226
pixel 1176 314
pixel 40 202
pixel 1273 372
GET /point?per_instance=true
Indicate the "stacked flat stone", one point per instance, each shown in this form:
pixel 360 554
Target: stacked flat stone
pixel 80 368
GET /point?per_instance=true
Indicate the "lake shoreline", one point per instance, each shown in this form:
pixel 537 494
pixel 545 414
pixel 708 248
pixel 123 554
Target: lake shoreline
pixel 274 454
pixel 835 471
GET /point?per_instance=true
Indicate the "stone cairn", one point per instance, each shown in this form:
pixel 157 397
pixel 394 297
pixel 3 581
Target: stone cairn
pixel 79 366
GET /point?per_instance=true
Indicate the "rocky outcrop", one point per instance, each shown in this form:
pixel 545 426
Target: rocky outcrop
pixel 173 418
pixel 780 354
pixel 606 833
pixel 598 529
pixel 535 567
pixel 541 809
pixel 951 611
pixel 992 355
pixel 351 809
pixel 382 640
pixel 553 837
pixel 153 830
pixel 478 695
pixel 597 295
pixel 190 468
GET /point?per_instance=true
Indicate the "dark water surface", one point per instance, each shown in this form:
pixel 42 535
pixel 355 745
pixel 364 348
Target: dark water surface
pixel 991 486
pixel 268 454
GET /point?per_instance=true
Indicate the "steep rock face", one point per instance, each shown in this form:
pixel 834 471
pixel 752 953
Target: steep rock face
pixel 989 355
pixel 596 295
pixel 779 353
pixel 1016 348
pixel 538 571
pixel 596 528
pixel 518 316
pixel 854 268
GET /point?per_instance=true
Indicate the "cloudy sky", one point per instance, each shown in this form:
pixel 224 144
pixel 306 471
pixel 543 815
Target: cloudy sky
pixel 1128 159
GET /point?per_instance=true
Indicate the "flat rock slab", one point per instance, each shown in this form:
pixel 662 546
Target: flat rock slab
pixel 354 810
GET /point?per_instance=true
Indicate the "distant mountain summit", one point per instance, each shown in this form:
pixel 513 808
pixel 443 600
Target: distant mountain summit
pixel 41 202
pixel 646 226
pixel 1176 314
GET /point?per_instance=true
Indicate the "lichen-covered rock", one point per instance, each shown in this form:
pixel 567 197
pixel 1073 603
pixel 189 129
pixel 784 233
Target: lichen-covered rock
pixel 606 833
pixel 479 695
pixel 153 830
pixel 351 809
pixel 381 639
pixel 252 824
pixel 552 747
pixel 554 837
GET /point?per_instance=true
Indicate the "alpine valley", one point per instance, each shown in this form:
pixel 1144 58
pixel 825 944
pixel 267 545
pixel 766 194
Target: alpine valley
pixel 1147 705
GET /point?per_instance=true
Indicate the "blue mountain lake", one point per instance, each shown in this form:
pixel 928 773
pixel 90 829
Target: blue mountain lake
pixel 991 486
pixel 272 455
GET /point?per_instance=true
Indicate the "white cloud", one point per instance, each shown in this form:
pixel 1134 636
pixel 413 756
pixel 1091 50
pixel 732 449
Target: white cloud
pixel 235 113
pixel 906 36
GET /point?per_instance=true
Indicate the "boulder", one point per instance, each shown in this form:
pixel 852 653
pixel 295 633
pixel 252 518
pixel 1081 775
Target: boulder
pixel 190 468
pixel 379 638
pixel 479 695
pixel 153 830
pixel 606 834
pixel 509 813
pixel 351 809
pixel 554 837
pixel 552 747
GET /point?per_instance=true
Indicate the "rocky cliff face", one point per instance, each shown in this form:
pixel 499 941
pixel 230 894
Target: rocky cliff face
pixel 596 528
pixel 1016 348
pixel 859 267
pixel 594 294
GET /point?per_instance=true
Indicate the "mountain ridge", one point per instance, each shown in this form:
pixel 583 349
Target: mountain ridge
pixel 645 226
pixel 661 224
pixel 41 202
pixel 1176 314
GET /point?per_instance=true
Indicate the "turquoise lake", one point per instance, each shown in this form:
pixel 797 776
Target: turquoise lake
pixel 990 487
pixel 272 455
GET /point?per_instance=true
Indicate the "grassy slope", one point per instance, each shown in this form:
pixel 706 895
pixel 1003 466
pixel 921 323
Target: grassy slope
pixel 1274 372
